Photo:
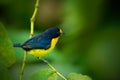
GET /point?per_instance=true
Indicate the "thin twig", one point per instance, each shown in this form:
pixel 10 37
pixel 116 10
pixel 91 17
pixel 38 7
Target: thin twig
pixel 59 74
pixel 32 20
pixel 31 34
pixel 23 65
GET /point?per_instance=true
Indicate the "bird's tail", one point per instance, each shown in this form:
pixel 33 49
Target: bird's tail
pixel 17 45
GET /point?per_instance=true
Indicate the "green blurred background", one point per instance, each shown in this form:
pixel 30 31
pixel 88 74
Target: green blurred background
pixel 90 45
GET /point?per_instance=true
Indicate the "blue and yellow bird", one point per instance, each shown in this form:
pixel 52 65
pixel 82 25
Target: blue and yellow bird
pixel 43 43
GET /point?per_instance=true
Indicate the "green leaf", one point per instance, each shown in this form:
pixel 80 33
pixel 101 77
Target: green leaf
pixel 75 76
pixel 4 73
pixel 7 54
pixel 44 74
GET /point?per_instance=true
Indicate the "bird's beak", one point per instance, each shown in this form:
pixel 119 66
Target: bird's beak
pixel 61 31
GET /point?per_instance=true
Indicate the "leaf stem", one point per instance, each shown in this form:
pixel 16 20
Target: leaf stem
pixel 58 73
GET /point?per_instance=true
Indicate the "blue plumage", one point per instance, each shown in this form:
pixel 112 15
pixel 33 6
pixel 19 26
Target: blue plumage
pixel 17 45
pixel 38 42
pixel 41 41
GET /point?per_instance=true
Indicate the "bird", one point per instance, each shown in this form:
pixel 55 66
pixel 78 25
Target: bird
pixel 43 43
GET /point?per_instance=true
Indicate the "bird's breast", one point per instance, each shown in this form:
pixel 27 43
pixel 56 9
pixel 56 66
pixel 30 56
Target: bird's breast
pixel 42 52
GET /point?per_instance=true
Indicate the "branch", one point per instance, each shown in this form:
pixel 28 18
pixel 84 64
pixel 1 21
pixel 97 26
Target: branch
pixel 23 65
pixel 59 74
pixel 31 34
pixel 32 20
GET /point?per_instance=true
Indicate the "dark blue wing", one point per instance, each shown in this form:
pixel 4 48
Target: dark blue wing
pixel 38 42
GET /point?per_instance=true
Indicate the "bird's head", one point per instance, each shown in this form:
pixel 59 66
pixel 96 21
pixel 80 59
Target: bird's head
pixel 54 32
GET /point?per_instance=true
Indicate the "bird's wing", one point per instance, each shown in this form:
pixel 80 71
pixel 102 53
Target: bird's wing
pixel 37 42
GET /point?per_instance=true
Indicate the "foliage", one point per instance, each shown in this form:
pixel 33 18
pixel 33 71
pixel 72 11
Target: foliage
pixel 7 55
pixel 44 74
pixel 90 44
pixel 48 74
pixel 4 73
pixel 75 76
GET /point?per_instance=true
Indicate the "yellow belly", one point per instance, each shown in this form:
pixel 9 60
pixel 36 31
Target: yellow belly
pixel 42 52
